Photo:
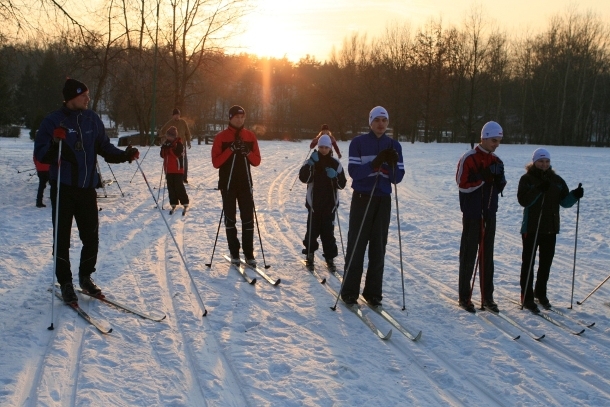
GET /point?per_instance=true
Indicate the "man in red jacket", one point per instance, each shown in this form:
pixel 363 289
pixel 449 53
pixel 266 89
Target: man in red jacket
pixel 234 150
pixel 480 179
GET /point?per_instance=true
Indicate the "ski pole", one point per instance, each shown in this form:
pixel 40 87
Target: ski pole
pixel 575 243
pixel 402 274
pixel 591 293
pixel 30 169
pixel 531 266
pixel 55 232
pixel 136 171
pixel 221 212
pixel 115 180
pixel 255 216
pixel 205 311
pixel 297 176
pixel 160 180
pixel 339 223
pixel 351 257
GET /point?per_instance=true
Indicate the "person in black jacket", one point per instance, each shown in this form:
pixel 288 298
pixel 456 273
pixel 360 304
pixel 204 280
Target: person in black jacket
pixel 323 175
pixel 83 138
pixel 541 191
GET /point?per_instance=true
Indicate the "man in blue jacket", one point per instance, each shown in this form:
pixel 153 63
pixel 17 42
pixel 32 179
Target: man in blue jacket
pixel 375 163
pixel 83 138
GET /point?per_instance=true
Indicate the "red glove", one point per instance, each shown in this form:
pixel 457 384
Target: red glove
pixel 59 134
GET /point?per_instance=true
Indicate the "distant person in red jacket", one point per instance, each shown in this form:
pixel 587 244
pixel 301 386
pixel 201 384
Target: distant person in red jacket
pixel 43 178
pixel 172 152
pixel 324 130
pixel 234 150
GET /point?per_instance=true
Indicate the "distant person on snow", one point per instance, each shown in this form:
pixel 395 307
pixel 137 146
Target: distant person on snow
pixel 480 179
pixel 184 134
pixel 172 152
pixel 375 163
pixel 42 170
pixel 234 150
pixel 541 191
pixel 325 131
pixel 83 138
pixel 323 175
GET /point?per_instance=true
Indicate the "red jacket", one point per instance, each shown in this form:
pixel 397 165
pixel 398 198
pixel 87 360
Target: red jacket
pixel 173 156
pixel 234 165
pixel 40 166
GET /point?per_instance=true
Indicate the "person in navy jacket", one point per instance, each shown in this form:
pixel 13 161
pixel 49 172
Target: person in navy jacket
pixel 83 138
pixel 375 163
pixel 480 179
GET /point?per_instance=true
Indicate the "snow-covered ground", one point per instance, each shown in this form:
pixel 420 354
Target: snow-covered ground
pixel 283 346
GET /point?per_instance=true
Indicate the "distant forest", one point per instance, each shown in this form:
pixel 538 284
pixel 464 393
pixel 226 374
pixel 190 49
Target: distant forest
pixel 439 84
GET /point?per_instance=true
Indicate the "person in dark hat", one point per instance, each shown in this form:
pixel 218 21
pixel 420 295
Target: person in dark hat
pixel 325 131
pixel 235 149
pixel 184 134
pixel 82 136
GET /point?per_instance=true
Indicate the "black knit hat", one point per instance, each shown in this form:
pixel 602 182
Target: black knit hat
pixel 236 110
pixel 176 111
pixel 73 88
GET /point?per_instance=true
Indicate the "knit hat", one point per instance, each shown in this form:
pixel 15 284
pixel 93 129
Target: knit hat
pixel 172 131
pixel 378 111
pixel 235 109
pixel 324 141
pixel 73 88
pixel 540 153
pixel 176 111
pixel 324 127
pixel 491 130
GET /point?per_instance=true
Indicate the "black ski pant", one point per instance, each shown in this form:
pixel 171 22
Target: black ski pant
pixel 546 247
pixel 371 230
pixel 175 189
pixel 80 204
pixel 322 225
pixel 469 247
pixel 243 197
pixel 43 179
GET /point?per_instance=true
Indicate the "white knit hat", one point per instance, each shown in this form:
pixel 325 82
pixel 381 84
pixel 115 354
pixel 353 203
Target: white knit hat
pixel 324 141
pixel 378 111
pixel 540 153
pixel 491 130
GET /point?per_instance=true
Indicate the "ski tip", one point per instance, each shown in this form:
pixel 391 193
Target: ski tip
pixel 323 281
pixel 516 337
pixel 205 312
pixel 540 337
pixel 387 336
pixel 109 331
pixel 591 325
pixel 208 265
pixel 579 333
pixel 253 281
pixel 267 266
pixel 277 282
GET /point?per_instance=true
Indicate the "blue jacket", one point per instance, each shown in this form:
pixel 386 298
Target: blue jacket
pixel 362 150
pixel 85 139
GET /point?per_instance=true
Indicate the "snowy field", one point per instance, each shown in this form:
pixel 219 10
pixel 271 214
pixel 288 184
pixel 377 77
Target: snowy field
pixel 262 345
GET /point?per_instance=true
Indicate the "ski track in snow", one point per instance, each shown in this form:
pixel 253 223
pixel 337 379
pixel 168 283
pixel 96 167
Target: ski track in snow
pixel 283 346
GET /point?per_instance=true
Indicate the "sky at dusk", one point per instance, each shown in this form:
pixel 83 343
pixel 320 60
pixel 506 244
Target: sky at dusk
pixel 294 29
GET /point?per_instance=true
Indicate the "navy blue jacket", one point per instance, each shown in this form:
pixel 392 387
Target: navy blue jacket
pixel 362 151
pixel 85 139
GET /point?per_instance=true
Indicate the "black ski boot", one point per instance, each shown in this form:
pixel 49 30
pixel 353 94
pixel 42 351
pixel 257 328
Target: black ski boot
pixel 87 284
pixel 68 294
pixel 330 264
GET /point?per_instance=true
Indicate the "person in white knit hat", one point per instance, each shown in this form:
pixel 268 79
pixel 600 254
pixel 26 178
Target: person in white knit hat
pixel 541 192
pixel 480 179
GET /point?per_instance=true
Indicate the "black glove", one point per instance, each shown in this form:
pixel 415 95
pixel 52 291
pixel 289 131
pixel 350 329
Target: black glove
pixel 390 156
pixel 244 150
pixel 544 185
pixel 486 174
pixel 236 146
pixel 578 192
pixel 377 161
pixel 132 153
pixel 167 144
